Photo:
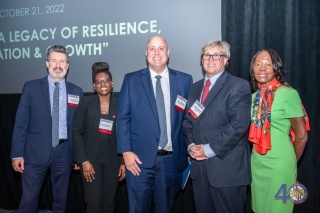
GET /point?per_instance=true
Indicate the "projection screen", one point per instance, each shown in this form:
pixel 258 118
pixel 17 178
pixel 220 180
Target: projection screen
pixel 101 30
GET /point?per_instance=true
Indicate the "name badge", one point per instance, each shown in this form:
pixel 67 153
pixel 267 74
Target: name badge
pixel 105 126
pixel 73 100
pixel 196 109
pixel 180 104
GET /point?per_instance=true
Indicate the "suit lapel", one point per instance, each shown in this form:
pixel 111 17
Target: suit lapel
pixel 46 93
pixel 198 91
pixel 174 85
pixel 95 106
pixel 147 84
pixel 113 106
pixel 216 88
pixel 68 92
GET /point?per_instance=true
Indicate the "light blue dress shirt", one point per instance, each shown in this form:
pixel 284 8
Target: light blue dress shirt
pixel 62 106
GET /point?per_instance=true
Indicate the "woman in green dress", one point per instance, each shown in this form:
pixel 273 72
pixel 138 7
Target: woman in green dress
pixel 276 109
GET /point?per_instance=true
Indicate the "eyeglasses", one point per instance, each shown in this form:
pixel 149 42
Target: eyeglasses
pixel 214 56
pixel 105 80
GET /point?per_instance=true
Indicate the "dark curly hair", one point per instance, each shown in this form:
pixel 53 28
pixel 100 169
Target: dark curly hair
pixel 100 67
pixel 279 71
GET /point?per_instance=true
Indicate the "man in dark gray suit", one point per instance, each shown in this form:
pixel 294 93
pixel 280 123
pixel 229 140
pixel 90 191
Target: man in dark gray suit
pixel 215 130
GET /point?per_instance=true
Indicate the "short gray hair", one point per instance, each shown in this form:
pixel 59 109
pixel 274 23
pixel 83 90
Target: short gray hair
pixel 58 49
pixel 225 47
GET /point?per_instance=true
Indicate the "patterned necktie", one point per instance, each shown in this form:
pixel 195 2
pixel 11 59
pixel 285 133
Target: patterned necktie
pixel 205 91
pixel 161 113
pixel 55 116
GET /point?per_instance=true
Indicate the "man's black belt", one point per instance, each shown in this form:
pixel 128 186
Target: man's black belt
pixel 62 140
pixel 162 152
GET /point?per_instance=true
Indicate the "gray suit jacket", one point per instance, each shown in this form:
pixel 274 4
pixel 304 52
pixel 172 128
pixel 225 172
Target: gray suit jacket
pixel 223 125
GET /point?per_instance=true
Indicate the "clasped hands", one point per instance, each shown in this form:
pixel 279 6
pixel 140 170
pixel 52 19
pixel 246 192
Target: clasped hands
pixel 197 152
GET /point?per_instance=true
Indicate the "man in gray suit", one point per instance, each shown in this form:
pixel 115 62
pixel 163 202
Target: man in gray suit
pixel 215 130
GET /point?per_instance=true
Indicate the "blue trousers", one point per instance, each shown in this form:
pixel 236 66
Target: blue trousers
pixel 33 176
pixel 161 183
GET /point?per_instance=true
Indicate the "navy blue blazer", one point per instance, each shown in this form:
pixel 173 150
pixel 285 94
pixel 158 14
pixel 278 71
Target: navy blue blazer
pixel 137 117
pixel 223 125
pixel 32 134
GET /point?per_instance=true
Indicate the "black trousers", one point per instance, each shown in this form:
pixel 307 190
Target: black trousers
pixel 101 192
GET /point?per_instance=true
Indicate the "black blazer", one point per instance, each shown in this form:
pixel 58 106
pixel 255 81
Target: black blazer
pixel 86 138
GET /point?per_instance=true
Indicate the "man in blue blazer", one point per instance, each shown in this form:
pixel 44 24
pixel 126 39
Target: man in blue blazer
pixel 215 129
pixel 34 149
pixel 155 168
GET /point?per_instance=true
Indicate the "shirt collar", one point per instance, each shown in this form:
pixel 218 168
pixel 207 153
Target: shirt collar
pixel 213 79
pixel 51 82
pixel 164 74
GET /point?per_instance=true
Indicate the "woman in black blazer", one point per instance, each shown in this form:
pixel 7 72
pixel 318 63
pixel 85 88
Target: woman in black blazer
pixel 94 139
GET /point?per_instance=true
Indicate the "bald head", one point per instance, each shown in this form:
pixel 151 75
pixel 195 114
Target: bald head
pixel 156 37
pixel 157 54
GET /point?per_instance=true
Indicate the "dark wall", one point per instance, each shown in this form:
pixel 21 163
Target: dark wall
pixel 292 29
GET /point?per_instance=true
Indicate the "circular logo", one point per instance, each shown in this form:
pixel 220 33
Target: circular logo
pixel 298 193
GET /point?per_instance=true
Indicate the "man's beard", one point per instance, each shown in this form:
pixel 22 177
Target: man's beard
pixel 62 73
